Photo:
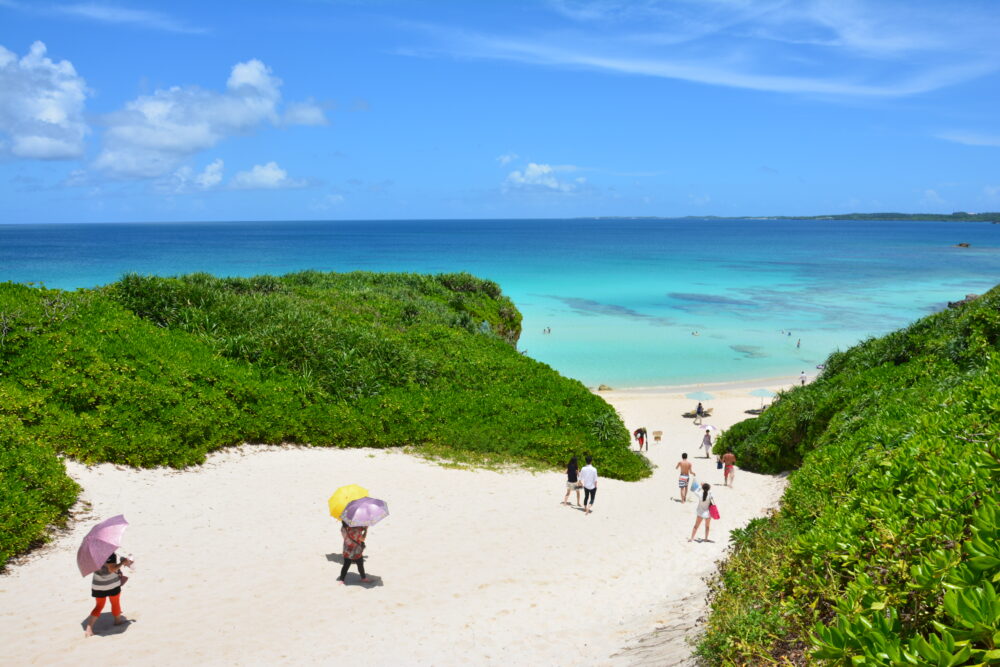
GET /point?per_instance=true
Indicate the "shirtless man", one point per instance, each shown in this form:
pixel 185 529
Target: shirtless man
pixel 685 467
pixel 728 461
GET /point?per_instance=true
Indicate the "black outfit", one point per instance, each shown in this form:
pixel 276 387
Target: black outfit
pixel 347 565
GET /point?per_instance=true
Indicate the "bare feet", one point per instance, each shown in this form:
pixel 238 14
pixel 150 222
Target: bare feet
pixel 366 580
pixel 89 632
pixel 121 620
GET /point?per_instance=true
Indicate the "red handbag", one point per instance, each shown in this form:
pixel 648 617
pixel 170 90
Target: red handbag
pixel 713 511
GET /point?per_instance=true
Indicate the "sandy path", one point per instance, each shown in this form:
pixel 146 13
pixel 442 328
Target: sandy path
pixel 236 560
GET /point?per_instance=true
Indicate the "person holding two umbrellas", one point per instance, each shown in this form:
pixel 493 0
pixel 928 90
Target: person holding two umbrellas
pixel 354 547
pixel 356 512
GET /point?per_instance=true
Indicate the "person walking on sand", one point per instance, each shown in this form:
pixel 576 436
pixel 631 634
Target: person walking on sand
pixel 685 477
pixel 572 483
pixel 588 477
pixel 706 442
pixel 703 512
pixel 354 547
pixel 728 461
pixel 104 585
pixel 802 378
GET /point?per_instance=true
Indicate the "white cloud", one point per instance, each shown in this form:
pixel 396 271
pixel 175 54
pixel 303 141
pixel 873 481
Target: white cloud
pixel 971 138
pixel 154 134
pixel 539 178
pixel 304 113
pixel 264 177
pixel 211 175
pixel 41 106
pixel 123 15
pixel 184 180
pixel 507 158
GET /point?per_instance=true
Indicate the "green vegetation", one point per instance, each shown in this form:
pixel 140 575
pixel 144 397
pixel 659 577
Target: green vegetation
pixel 160 371
pixel 957 216
pixel 886 547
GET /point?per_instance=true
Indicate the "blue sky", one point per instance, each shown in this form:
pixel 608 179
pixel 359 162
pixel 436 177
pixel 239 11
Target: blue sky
pixel 304 109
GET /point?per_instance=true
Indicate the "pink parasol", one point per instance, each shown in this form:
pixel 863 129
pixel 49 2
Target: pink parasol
pixel 100 542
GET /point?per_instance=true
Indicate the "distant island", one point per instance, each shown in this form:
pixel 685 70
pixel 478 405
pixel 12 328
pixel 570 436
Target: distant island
pixel 958 216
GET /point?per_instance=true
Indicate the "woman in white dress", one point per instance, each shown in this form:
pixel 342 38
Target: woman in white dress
pixel 704 511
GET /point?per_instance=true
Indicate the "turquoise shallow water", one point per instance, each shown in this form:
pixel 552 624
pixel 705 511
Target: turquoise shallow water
pixel 622 297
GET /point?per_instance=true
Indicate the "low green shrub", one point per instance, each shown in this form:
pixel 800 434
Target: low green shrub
pixel 155 371
pixel 886 547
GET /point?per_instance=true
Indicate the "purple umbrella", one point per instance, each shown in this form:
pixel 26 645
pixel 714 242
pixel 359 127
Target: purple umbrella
pixel 100 542
pixel 365 512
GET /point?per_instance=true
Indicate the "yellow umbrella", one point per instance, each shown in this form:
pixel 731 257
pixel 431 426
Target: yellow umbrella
pixel 342 496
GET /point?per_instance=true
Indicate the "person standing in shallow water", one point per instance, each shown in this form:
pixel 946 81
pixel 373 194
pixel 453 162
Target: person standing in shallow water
pixel 354 547
pixel 106 584
pixel 572 483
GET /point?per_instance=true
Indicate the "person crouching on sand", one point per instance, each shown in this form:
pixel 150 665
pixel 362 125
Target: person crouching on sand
pixel 704 511
pixel 354 547
pixel 572 483
pixel 107 584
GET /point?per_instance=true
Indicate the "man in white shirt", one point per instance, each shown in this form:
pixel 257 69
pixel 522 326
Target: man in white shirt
pixel 588 475
pixel 802 378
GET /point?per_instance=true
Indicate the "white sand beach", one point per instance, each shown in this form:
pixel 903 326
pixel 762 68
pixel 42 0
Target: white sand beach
pixel 237 560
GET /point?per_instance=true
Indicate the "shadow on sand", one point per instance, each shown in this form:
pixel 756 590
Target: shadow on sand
pixel 105 626
pixel 353 578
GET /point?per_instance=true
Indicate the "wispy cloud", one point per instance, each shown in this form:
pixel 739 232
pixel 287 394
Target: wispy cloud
pixel 932 197
pixel 124 15
pixel 970 138
pixel 817 47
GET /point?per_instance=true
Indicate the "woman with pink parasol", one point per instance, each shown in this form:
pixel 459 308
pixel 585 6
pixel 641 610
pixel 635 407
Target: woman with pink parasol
pixel 97 555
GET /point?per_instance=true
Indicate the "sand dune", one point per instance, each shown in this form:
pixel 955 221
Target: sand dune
pixel 237 560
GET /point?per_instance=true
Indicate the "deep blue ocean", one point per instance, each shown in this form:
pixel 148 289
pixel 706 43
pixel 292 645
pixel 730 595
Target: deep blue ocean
pixel 629 302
